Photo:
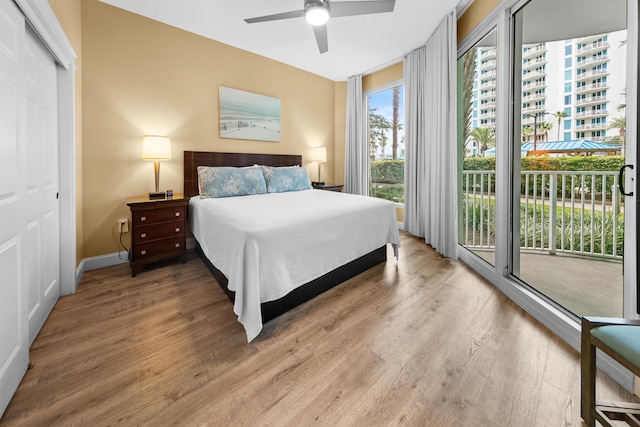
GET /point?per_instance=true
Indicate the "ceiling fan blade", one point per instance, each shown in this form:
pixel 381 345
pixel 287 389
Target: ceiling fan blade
pixel 321 37
pixel 351 8
pixel 276 17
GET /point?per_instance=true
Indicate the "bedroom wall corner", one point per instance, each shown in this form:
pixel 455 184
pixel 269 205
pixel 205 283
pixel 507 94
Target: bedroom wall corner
pixel 69 14
pixel 144 77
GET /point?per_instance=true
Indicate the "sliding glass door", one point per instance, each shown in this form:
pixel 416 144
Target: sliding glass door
pixel 477 82
pixel 569 122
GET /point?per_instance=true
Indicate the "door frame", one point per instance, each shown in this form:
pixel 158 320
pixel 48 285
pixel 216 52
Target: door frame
pixel 39 15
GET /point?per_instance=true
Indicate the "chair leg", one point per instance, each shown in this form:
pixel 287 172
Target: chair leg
pixel 588 376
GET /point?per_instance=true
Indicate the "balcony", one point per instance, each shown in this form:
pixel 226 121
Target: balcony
pixel 573 218
pixel 533 74
pixel 592 87
pixel 594 60
pixel 591 100
pixel 532 52
pixel 593 113
pixel 592 126
pixel 593 47
pixel 591 74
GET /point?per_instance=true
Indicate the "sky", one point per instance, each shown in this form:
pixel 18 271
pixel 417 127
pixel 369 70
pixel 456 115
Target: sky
pixel 382 101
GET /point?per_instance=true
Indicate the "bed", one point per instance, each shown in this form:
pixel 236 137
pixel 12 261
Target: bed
pixel 271 252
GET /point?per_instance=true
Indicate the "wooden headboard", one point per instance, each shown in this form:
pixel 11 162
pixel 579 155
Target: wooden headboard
pixel 193 159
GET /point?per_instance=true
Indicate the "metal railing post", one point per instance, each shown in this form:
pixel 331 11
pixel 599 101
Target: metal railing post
pixel 553 213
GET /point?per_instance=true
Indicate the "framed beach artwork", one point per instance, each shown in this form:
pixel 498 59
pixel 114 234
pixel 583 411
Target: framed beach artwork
pixel 246 115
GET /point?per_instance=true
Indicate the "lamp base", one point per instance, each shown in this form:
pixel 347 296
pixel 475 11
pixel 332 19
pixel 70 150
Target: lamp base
pixel 156 196
pixel 317 184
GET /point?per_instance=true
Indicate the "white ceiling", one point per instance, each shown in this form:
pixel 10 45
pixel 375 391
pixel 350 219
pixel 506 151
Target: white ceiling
pixel 357 44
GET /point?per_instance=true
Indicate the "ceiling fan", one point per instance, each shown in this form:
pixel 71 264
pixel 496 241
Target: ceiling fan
pixel 318 12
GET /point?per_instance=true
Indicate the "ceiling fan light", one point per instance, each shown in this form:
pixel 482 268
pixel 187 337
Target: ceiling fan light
pixel 316 15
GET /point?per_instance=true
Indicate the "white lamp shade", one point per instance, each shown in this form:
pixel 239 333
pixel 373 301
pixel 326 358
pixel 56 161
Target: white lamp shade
pixel 319 154
pixel 156 148
pixel 316 15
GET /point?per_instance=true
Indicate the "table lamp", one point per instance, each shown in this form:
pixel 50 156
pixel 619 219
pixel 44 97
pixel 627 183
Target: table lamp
pixel 319 155
pixel 156 149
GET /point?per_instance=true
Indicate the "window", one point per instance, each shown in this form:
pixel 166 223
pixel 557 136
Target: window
pixel 567 64
pixel 386 143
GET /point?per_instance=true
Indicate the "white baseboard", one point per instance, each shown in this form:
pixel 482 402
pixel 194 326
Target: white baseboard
pixel 108 260
pixel 100 261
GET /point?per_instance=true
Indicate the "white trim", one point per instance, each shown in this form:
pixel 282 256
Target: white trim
pixel 41 18
pixel 101 261
pixel 630 245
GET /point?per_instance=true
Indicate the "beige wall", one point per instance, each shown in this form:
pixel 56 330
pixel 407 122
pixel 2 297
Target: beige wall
pixel 69 15
pixel 143 77
pixel 478 10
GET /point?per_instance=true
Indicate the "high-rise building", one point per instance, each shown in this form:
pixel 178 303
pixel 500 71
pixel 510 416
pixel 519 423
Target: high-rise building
pixel 571 89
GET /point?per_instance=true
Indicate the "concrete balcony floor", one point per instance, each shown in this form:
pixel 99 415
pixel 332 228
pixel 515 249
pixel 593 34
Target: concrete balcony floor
pixel 583 285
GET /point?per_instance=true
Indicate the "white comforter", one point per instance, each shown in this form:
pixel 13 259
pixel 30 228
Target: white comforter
pixel 269 244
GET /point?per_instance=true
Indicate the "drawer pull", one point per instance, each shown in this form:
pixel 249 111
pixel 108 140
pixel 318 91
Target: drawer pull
pixel 143 252
pixel 177 229
pixel 177 245
pixel 143 235
pixel 143 218
pixel 177 213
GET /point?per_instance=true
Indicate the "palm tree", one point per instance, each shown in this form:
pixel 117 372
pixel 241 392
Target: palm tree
pixel 620 123
pixel 526 131
pixel 395 124
pixel 378 126
pixel 483 136
pixel 560 115
pixel 468 76
pixel 545 127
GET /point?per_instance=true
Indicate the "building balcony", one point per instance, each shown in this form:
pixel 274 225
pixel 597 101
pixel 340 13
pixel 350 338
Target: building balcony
pixel 591 100
pixel 533 74
pixel 486 54
pixel 594 60
pixel 591 74
pixel 589 39
pixel 532 63
pixel 532 52
pixel 592 127
pixel 593 47
pixel 592 87
pixel 488 84
pixel 534 97
pixel 592 113
pixel 533 110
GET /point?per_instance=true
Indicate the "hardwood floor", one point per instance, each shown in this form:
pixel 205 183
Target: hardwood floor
pixel 421 342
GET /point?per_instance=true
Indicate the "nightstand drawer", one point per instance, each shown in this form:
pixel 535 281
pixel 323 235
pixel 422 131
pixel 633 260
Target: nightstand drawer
pixel 159 247
pixel 158 231
pixel 154 216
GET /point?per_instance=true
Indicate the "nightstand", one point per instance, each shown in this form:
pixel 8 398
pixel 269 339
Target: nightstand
pixel 331 187
pixel 158 230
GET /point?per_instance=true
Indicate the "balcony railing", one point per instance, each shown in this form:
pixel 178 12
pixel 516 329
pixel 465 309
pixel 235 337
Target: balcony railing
pixel 571 212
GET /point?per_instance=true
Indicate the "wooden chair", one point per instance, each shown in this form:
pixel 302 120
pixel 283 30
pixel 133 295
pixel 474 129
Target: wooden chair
pixel 620 339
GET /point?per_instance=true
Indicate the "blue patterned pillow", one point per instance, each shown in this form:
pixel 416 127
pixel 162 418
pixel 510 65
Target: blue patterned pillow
pixel 283 179
pixel 229 181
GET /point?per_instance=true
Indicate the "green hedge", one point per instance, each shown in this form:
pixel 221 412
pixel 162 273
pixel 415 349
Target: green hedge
pixel 531 163
pixel 387 171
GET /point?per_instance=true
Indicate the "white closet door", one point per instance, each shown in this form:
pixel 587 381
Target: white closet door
pixel 14 334
pixel 42 235
pixel 29 207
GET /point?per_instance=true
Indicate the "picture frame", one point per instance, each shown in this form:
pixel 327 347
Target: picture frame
pixel 249 116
